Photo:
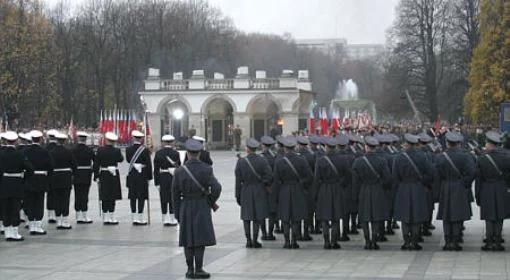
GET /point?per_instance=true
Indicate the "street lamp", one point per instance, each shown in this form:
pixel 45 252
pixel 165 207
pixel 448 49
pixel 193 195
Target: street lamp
pixel 178 114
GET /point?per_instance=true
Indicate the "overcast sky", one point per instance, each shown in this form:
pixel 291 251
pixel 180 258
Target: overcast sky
pixel 359 21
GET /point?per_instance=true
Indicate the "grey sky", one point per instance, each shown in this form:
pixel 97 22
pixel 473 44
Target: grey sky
pixel 359 21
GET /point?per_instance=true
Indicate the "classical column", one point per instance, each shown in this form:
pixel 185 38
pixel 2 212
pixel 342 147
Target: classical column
pixel 154 120
pixel 243 120
pixel 290 122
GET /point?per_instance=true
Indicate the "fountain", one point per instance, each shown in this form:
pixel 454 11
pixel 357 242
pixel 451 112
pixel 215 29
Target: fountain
pixel 348 103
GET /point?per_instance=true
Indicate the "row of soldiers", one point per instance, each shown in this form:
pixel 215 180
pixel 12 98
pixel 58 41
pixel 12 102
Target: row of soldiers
pixel 35 170
pixel 371 182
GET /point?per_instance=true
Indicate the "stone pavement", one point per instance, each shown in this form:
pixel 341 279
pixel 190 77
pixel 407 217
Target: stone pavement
pixel 127 252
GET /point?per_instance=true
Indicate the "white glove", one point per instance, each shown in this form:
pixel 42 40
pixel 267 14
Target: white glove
pixel 138 167
pixel 112 170
pixel 171 170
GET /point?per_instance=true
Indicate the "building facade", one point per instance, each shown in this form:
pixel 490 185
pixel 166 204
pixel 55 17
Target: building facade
pixel 214 107
pixel 340 47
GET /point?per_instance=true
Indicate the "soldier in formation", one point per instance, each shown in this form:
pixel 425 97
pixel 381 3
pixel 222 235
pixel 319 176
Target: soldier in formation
pixel 166 161
pixel 253 179
pixel 139 175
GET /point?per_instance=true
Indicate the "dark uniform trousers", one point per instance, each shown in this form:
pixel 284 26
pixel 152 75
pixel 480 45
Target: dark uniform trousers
pixel 62 198
pixel 493 230
pixel 410 231
pixel 452 230
pixel 81 197
pixel 108 206
pixel 34 205
pixel 50 200
pixel 10 211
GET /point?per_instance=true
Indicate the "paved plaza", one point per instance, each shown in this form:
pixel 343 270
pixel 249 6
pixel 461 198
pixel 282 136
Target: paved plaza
pixel 127 252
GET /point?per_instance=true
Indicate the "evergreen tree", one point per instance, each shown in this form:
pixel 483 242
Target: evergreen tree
pixel 490 66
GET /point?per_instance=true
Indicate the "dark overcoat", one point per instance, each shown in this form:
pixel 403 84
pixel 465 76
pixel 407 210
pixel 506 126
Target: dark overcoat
pixel 411 202
pixel 454 204
pixel 311 192
pixel 352 205
pixel 291 188
pixel 252 190
pixel 331 185
pixel 270 156
pixel 370 189
pixel 138 182
pixel 84 156
pixel 109 185
pixel 192 206
pixel 13 161
pixel 41 161
pixel 63 159
pixel 491 189
pixel 164 179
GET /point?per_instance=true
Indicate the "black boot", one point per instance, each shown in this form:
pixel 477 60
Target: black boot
pixel 190 274
pixel 200 273
pixel 497 244
pixel 389 230
pixel 368 245
pixel 249 244
pixel 406 245
pixel 425 231
pixel 489 245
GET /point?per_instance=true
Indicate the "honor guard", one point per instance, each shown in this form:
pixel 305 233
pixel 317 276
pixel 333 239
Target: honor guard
pixel 84 156
pixel 332 175
pixel 309 225
pixel 343 153
pixel 195 191
pixel 24 140
pixel 62 180
pixel 382 151
pixel 107 172
pixel 166 161
pixel 14 167
pixel 425 144
pixel 456 171
pixel 413 175
pixel 371 179
pixel 37 184
pixel 253 179
pixel 352 149
pixel 491 185
pixel 139 175
pixel 50 198
pixel 291 175
pixel 267 145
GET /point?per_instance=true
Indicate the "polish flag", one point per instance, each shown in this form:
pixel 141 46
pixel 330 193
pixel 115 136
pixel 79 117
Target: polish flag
pixel 324 122
pixel 312 122
pixel 335 122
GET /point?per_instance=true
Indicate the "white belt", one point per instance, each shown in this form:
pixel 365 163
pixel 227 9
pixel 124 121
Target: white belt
pixel 62 170
pixel 170 170
pixel 41 172
pixel 111 169
pixel 84 167
pixel 13 175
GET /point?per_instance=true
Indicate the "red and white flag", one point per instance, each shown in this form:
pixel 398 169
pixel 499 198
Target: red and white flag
pixel 312 122
pixel 72 130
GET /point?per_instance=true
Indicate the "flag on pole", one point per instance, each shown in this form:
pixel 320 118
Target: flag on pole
pixel 324 122
pixel 72 130
pixel 335 122
pixel 312 122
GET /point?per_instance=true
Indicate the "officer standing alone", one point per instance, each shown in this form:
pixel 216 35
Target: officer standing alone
pixel 195 191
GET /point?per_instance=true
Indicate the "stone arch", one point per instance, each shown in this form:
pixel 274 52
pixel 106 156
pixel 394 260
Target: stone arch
pixel 261 96
pixel 172 98
pixel 213 97
pixel 264 112
pixel 168 123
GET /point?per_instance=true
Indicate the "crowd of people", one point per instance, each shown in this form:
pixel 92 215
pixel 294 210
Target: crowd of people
pixel 335 185
pixel 296 185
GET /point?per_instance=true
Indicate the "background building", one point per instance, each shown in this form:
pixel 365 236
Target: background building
pixel 214 107
pixel 341 47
